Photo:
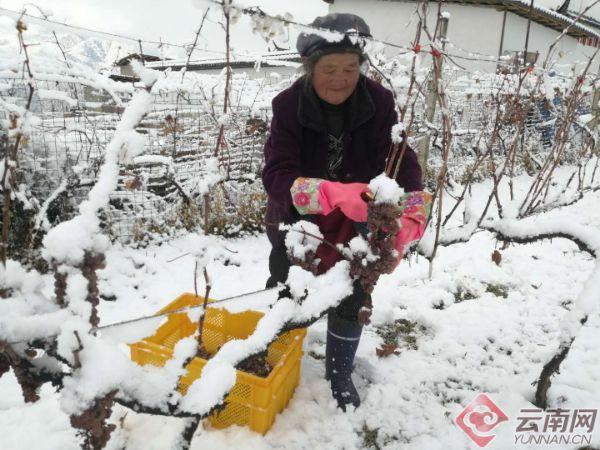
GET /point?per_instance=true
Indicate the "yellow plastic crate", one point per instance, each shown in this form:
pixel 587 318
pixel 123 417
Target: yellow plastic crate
pixel 254 401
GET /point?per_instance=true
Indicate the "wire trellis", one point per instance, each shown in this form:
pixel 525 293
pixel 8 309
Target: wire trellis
pixel 159 190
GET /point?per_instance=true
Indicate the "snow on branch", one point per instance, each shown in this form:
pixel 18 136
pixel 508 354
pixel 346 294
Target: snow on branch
pixel 41 219
pixel 68 241
pixel 218 376
pixel 526 231
pixel 520 231
pixel 529 230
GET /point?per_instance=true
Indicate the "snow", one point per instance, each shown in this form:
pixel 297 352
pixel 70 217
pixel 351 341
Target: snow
pixel 223 119
pixel 324 292
pixel 412 398
pixel 219 374
pixel 27 315
pixel 17 325
pixel 51 433
pixel 385 190
pixel 77 286
pixel 270 28
pixel 134 332
pixel 397 133
pixel 47 94
pixel 68 241
pixel 15 276
pixel 147 76
pixel 547 87
pixel 67 340
pixel 302 236
pixel 358 245
pixel 479 325
pixel 211 177
pixel 103 369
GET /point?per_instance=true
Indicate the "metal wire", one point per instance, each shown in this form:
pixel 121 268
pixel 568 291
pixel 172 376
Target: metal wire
pixel 168 313
pixel 182 310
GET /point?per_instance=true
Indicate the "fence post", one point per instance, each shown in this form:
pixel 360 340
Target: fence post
pixel 595 109
pixel 432 95
pixel 206 198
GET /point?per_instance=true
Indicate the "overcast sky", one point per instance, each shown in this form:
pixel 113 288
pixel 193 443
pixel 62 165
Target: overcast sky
pixel 176 21
pixel 173 21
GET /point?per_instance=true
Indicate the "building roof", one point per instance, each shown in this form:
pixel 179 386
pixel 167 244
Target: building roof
pixel 588 21
pixel 272 59
pixel 539 14
pixel 144 57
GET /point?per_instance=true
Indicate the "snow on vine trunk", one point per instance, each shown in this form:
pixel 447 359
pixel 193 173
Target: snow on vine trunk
pixel 219 374
pixel 68 241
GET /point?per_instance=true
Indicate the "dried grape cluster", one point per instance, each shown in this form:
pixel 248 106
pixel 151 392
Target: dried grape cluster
pixel 381 230
pixel 92 422
pixel 382 226
pixel 23 370
pixel 92 262
pixel 310 262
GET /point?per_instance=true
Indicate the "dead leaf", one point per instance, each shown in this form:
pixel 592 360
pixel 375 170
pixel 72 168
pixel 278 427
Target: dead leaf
pixel 387 349
pixel 497 257
pixel 133 183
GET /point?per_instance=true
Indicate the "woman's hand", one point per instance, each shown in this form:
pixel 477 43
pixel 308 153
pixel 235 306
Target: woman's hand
pixel 347 197
pixel 317 196
pixel 414 211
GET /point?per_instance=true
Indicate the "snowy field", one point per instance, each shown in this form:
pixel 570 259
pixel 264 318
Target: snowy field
pixel 485 318
pixel 474 327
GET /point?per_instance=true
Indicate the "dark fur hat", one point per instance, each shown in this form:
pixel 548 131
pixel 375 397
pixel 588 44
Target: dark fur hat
pixel 354 28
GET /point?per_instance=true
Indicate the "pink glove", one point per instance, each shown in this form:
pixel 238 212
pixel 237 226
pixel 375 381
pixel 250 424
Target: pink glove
pixel 347 197
pixel 317 196
pixel 415 207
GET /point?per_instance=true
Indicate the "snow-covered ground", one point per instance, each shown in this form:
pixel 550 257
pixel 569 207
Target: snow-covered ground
pixel 474 327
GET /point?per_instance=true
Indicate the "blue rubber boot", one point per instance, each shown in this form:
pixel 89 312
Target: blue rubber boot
pixel 343 337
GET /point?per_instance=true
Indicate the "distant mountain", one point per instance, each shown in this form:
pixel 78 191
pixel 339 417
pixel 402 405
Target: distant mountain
pixel 96 53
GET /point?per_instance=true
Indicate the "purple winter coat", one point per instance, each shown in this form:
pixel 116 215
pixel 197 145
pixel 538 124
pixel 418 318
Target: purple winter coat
pixel 298 146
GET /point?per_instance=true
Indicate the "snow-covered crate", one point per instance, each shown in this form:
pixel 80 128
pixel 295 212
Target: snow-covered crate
pixel 254 401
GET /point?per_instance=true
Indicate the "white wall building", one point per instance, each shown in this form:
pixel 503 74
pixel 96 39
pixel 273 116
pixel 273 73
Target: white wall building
pixel 489 27
pixel 283 63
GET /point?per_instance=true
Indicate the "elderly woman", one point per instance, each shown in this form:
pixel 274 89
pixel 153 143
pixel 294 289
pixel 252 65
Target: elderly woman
pixel 330 134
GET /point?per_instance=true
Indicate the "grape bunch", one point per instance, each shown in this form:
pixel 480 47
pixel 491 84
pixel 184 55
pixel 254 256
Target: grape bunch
pixel 309 263
pixel 383 226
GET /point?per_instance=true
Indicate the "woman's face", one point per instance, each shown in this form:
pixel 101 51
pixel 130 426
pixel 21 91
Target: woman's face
pixel 335 76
